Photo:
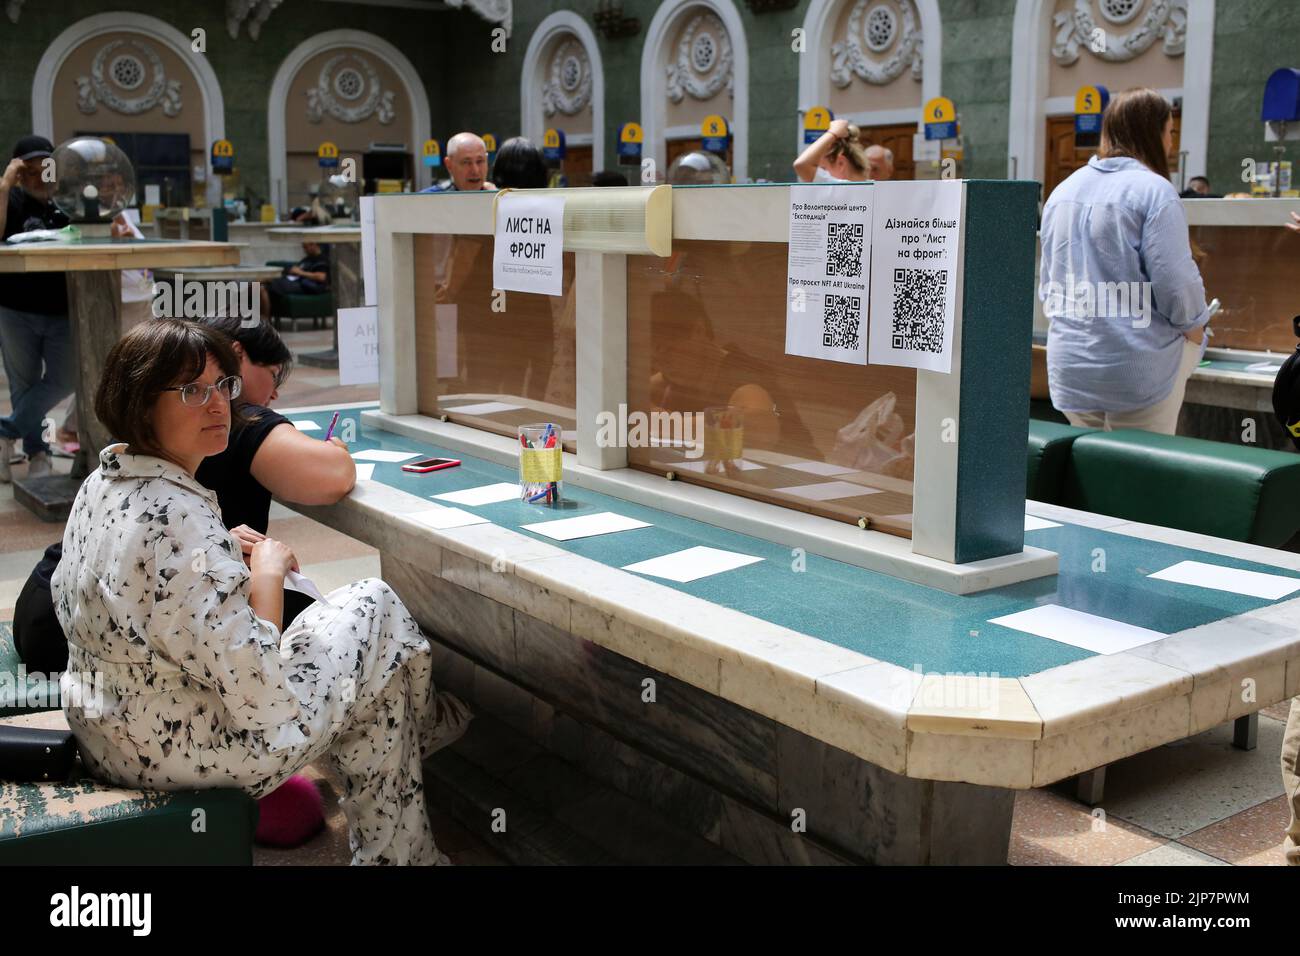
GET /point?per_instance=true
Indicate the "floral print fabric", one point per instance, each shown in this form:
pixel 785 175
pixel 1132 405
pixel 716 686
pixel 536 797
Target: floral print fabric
pixel 198 691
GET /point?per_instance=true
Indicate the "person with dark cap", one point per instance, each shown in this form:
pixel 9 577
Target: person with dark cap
pixel 35 335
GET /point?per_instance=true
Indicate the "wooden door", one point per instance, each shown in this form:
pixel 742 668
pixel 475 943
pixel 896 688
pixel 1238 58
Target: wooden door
pixel 1063 157
pixel 896 138
pixel 577 165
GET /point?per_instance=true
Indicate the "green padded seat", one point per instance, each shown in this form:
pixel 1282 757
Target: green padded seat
pixel 1229 491
pixel 1049 453
pixel 87 822
pixel 40 694
pixel 294 307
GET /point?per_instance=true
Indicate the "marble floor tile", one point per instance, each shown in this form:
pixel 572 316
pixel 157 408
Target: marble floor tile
pixel 1252 837
pixel 313 542
pixel 329 575
pixel 1179 788
pixel 1173 854
pixel 1049 829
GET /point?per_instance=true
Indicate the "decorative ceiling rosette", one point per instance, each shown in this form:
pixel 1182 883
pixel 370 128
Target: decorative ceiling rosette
pixel 875 27
pixel 348 88
pixel 123 66
pixel 1164 19
pixel 568 90
pixel 704 61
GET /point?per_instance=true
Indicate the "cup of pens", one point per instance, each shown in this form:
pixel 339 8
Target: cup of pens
pixel 540 463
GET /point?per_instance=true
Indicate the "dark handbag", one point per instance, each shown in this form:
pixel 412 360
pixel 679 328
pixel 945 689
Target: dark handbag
pixel 1286 391
pixel 36 755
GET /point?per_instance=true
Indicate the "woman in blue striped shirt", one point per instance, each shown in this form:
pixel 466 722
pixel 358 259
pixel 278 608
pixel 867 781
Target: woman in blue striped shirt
pixel 1118 284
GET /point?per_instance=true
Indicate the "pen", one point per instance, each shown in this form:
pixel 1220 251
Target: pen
pixel 333 421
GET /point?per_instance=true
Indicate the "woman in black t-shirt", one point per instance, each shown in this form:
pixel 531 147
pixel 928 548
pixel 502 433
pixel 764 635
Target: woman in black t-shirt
pixel 266 457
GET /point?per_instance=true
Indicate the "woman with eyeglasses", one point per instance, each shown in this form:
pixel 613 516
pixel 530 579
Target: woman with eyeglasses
pixel 201 688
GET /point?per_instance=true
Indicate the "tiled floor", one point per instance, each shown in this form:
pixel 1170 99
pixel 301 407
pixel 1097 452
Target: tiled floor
pixel 1196 803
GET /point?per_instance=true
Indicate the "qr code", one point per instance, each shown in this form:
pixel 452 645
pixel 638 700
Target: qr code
pixel 919 296
pixel 841 321
pixel 844 249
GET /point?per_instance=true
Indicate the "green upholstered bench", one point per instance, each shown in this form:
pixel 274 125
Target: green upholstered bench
pixel 1049 454
pixel 37 693
pixel 1237 492
pixel 316 307
pixel 84 821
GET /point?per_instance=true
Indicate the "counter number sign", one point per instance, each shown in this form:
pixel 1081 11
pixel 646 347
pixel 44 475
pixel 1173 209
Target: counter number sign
pixel 490 144
pixel 940 119
pixel 815 122
pixel 630 138
pixel 430 153
pixel 715 134
pixel 1089 103
pixel 553 144
pixel 223 156
pixel 327 155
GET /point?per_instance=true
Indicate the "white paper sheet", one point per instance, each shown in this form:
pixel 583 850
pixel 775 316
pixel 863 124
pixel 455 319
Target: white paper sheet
pixel 365 472
pixel 823 468
pixel 483 408
pixel 826 273
pixel 828 490
pixel 483 495
pixel 914 273
pixel 305 585
pixel 692 564
pixel 1035 523
pixel 306 426
pixel 448 518
pixel 358 345
pixel 1101 635
pixel 585 526
pixel 741 465
pixel 1269 367
pixel 1253 583
pixel 389 457
pixel 528 246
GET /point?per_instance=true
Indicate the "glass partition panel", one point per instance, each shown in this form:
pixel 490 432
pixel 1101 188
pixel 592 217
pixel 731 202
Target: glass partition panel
pixel 1250 270
pixel 490 361
pixel 713 398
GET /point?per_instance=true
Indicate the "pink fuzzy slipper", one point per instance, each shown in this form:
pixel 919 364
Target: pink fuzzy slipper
pixel 291 814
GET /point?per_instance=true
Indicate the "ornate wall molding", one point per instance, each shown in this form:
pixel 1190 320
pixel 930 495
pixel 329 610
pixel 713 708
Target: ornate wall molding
pixel 568 86
pixel 348 92
pixel 876 25
pixel 1164 19
pixel 704 61
pixel 127 71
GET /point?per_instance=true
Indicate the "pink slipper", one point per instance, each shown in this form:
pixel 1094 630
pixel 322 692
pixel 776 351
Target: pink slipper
pixel 291 814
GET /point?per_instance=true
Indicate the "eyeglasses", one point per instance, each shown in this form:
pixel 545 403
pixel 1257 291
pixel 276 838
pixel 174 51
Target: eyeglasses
pixel 197 394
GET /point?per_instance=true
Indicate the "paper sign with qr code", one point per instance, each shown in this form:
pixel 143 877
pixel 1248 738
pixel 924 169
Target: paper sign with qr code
pixel 826 274
pixel 914 274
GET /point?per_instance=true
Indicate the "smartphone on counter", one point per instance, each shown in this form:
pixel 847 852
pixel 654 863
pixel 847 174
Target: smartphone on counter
pixel 430 464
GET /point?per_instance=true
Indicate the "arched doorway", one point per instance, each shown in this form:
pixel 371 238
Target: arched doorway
pixel 563 86
pixel 695 63
pixel 355 90
pixel 133 77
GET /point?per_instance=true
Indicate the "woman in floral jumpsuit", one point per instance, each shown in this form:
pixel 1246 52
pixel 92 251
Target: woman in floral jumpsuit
pixel 200 687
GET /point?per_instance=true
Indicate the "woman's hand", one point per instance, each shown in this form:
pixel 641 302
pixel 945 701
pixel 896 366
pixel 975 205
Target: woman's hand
pixel 272 558
pixel 247 538
pixel 839 129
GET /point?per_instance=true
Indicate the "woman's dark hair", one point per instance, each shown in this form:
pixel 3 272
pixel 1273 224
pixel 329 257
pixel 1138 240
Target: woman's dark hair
pixel 261 342
pixel 156 354
pixel 519 165
pixel 1134 126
